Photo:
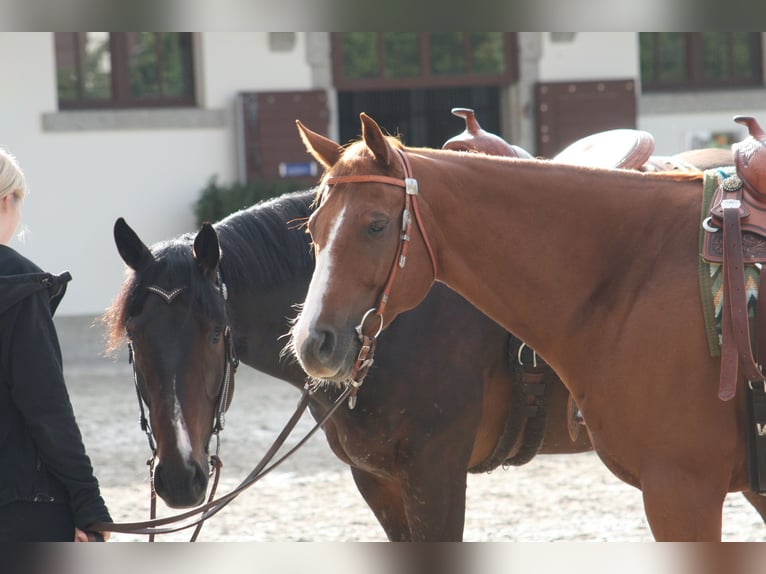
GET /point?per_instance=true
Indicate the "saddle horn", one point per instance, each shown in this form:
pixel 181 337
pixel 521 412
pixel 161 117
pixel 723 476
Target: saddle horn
pixel 750 156
pixel 476 139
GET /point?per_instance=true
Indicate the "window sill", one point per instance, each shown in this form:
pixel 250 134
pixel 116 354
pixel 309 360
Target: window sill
pixel 149 119
pixel 702 102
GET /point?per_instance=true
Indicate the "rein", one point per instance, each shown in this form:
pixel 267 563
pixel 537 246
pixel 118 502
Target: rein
pixel 366 353
pixel 160 525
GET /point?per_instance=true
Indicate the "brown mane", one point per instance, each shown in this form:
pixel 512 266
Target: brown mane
pixel 115 316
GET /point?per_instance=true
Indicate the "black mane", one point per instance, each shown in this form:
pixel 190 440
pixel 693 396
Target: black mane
pixel 260 248
pixel 260 244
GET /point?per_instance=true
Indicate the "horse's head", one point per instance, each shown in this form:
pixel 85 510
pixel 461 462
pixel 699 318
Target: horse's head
pixel 360 282
pixel 172 310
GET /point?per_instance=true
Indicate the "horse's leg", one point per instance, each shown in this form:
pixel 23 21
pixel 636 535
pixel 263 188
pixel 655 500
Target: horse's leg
pixel 758 501
pixel 434 498
pixel 385 500
pixel 681 506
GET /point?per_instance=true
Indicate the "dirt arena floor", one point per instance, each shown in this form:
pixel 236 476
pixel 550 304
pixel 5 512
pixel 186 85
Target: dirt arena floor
pixel 312 497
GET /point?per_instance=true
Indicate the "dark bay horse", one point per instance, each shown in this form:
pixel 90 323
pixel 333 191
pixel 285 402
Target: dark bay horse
pixel 596 269
pixel 438 404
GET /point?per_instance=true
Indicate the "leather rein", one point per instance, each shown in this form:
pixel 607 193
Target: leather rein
pixel 168 524
pixel 410 185
pixel 155 526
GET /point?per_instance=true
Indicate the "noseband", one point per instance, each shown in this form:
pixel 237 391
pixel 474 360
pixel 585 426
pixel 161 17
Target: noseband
pixel 410 185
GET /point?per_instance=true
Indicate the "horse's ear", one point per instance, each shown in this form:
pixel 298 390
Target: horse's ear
pixel 324 150
pixel 132 250
pixel 207 250
pixel 375 140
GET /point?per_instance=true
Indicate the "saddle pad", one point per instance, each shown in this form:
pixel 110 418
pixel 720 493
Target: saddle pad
pixel 711 274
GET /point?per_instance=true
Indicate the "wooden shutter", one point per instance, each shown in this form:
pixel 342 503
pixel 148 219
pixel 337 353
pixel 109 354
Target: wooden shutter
pixel 270 147
pixel 568 111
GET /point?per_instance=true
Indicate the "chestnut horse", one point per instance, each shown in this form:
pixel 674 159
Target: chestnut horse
pixel 595 269
pixel 436 406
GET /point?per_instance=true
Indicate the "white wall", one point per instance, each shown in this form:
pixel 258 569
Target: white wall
pixel 673 134
pixel 590 56
pixel 82 180
pixel 241 61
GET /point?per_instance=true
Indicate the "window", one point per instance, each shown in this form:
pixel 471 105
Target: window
pixel 124 70
pixel 393 60
pixel 682 61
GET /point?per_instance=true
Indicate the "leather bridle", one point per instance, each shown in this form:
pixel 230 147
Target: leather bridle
pixel 197 516
pixel 225 394
pixel 410 185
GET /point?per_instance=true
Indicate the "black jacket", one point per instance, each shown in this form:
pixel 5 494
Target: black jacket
pixel 42 456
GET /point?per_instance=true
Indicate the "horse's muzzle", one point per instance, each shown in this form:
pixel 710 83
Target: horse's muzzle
pixel 325 355
pixel 181 486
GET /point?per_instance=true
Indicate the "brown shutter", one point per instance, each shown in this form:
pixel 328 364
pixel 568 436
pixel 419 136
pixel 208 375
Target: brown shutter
pixel 568 111
pixel 269 140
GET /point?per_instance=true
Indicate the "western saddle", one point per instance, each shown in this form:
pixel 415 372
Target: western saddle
pixel 735 235
pixel 617 148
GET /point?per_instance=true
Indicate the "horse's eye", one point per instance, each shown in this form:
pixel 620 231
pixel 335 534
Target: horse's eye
pixel 216 337
pixel 377 226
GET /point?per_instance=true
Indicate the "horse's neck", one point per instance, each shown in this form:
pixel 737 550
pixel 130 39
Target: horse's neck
pixel 543 249
pixel 259 310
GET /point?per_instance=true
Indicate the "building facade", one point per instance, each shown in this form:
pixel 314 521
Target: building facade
pixel 134 125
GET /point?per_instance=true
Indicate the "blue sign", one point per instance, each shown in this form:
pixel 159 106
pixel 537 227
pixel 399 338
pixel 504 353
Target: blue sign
pixel 298 169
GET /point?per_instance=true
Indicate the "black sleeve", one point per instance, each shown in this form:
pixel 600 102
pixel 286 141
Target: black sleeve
pixel 40 393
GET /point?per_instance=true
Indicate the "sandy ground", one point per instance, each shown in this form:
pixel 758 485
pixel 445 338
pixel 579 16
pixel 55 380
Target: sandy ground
pixel 312 496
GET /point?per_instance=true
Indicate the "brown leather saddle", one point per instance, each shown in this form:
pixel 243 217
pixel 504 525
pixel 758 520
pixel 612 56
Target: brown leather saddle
pixel 735 234
pixel 743 187
pixel 618 148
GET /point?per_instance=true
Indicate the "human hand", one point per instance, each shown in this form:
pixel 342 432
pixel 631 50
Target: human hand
pixel 82 536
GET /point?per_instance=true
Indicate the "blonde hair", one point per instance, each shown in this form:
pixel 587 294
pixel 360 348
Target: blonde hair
pixel 12 179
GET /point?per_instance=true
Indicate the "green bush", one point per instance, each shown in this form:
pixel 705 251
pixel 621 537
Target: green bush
pixel 216 201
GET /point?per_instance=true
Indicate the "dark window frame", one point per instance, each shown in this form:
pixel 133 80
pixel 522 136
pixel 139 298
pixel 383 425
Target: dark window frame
pixel 120 79
pixel 694 65
pixel 425 79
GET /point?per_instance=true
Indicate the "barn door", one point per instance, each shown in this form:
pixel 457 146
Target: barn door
pixel 269 146
pixel 568 111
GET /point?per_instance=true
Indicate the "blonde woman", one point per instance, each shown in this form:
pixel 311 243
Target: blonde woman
pixel 47 488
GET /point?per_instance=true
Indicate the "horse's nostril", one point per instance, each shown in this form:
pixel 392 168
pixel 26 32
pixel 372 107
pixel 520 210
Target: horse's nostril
pixel 325 342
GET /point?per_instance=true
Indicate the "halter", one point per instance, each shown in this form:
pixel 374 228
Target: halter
pixel 231 362
pixel 365 358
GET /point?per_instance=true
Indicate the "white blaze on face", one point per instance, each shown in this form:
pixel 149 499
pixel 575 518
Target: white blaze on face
pixel 183 442
pixel 312 307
